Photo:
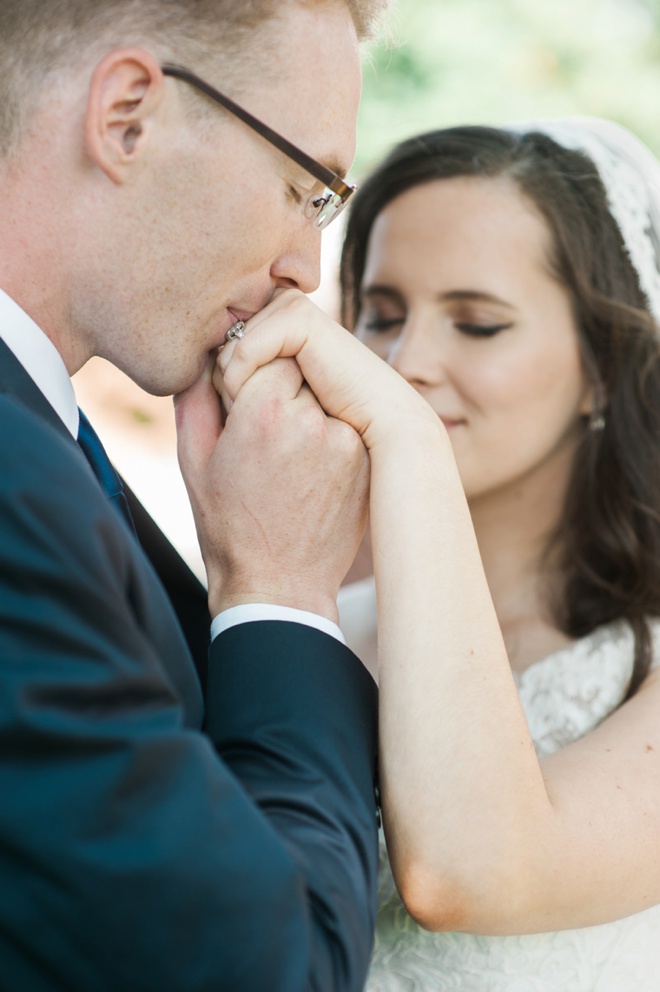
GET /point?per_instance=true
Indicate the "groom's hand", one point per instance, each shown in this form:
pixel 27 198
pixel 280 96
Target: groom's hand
pixel 279 491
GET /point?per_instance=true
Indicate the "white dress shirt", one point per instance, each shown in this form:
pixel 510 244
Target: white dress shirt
pixel 43 363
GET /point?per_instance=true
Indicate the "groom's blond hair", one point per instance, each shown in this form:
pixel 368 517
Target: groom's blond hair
pixel 41 39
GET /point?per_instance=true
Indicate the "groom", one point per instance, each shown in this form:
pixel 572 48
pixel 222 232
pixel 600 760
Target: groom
pixel 148 841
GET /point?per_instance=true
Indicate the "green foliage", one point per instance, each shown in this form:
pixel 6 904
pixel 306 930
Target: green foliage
pixel 491 61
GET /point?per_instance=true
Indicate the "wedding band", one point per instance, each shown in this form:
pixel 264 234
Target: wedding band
pixel 236 331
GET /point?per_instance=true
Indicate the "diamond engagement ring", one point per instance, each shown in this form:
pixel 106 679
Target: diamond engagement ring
pixel 236 331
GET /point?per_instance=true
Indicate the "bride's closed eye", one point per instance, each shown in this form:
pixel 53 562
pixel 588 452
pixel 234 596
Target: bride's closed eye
pixel 481 330
pixel 377 324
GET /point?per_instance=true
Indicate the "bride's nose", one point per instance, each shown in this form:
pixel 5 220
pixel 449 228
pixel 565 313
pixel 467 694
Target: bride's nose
pixel 418 353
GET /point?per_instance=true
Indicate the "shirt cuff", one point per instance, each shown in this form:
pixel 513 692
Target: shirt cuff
pixel 249 612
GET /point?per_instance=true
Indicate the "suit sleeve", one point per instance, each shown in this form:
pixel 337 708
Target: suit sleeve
pixel 310 782
pixel 137 851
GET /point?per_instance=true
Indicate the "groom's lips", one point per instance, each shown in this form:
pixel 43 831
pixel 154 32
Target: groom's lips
pixel 234 316
pixel 240 314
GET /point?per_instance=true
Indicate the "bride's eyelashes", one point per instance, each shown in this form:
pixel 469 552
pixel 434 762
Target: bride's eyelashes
pixel 482 330
pixel 379 324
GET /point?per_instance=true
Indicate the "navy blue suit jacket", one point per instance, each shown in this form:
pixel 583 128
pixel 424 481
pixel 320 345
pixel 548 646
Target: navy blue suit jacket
pixel 149 840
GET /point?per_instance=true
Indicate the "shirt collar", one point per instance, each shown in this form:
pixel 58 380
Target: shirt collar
pixel 40 359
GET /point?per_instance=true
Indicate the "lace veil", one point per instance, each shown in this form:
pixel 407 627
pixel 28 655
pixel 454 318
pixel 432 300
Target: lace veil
pixel 631 176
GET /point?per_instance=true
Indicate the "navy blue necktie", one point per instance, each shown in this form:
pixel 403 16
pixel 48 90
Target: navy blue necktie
pixel 103 469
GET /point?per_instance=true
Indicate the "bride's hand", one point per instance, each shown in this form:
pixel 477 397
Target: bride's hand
pixel 349 381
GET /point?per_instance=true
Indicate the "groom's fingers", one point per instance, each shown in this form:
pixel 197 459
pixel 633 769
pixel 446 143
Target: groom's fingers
pixel 199 422
pixel 280 379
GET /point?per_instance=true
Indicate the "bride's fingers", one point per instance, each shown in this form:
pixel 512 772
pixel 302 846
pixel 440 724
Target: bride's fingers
pixel 280 330
pixel 351 382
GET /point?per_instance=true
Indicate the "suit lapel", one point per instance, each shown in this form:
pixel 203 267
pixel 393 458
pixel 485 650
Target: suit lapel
pixel 186 593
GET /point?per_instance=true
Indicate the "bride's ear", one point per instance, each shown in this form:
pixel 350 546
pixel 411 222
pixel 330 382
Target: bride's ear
pixel 594 405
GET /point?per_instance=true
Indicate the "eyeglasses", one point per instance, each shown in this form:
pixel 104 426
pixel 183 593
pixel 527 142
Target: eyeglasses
pixel 323 208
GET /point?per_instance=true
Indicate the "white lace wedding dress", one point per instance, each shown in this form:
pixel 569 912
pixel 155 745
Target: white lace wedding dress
pixel 564 696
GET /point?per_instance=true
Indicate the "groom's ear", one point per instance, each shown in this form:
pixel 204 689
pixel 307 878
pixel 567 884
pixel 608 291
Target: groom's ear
pixel 126 92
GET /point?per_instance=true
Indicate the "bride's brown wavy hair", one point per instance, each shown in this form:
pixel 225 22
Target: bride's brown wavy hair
pixel 607 544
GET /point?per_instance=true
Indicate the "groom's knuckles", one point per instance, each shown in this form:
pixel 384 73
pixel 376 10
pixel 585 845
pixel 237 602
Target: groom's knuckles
pixel 267 394
pixel 250 356
pixel 346 442
pixel 282 376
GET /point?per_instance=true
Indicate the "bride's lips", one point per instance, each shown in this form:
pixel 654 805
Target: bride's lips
pixel 450 422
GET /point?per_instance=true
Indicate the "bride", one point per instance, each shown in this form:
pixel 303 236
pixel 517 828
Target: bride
pixel 511 278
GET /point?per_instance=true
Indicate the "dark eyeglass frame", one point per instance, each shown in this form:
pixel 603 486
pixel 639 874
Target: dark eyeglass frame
pixel 324 207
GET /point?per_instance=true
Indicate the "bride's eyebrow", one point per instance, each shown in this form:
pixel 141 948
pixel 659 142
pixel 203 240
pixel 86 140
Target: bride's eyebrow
pixel 378 290
pixel 473 296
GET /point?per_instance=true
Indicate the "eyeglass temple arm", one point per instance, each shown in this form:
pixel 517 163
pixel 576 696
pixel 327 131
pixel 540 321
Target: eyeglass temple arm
pixel 316 169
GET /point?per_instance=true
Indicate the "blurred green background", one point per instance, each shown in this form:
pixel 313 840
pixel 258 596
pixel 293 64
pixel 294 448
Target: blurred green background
pixel 445 62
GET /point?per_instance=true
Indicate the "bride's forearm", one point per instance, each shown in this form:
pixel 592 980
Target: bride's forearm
pixel 460 780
